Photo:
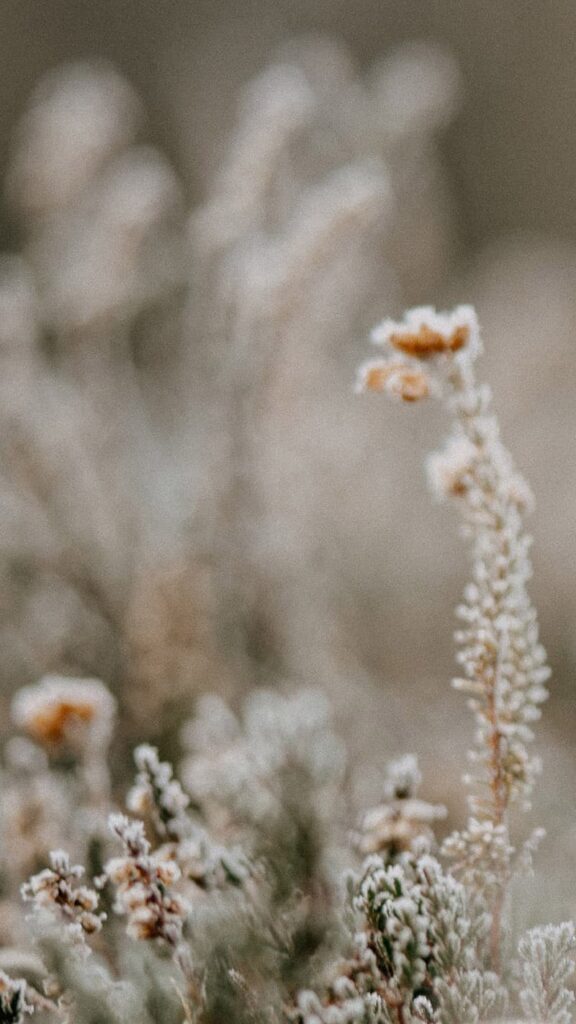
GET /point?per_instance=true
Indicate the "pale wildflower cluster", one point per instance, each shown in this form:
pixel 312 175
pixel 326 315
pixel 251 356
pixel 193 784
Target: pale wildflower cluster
pixel 481 854
pixel 144 886
pixel 72 717
pixel 56 891
pixel 158 793
pixel 410 345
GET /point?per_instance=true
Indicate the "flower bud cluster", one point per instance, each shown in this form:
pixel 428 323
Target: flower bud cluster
pixel 55 891
pixel 396 911
pixel 158 793
pixel 144 886
pixel 423 335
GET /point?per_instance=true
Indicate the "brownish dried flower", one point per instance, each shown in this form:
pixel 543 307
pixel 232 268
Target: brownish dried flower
pixel 425 342
pixel 424 333
pixel 56 889
pixel 58 709
pixel 398 380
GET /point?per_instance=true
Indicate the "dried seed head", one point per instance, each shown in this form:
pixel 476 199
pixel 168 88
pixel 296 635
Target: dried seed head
pixel 425 342
pixel 56 891
pixel 424 333
pixel 407 383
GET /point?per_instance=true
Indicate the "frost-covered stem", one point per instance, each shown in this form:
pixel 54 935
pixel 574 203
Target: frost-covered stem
pixel 500 652
pixel 489 513
pixel 145 894
pixel 485 515
pixel 547 970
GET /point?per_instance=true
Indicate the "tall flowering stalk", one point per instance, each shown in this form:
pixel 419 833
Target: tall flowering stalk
pixel 503 663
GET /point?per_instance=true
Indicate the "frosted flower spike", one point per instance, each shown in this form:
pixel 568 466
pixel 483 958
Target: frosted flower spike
pixel 503 665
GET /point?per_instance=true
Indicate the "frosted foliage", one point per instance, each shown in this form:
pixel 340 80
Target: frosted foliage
pixel 245 770
pixel 156 790
pixel 197 512
pixel 230 873
pixel 547 964
pixel 428 936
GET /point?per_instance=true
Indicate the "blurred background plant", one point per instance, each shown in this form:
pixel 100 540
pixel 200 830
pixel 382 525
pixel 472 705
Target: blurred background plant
pixel 241 895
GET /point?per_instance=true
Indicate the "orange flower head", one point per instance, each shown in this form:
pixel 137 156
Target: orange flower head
pixel 399 380
pixel 60 710
pixel 425 342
